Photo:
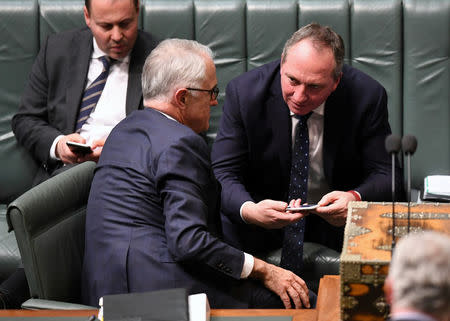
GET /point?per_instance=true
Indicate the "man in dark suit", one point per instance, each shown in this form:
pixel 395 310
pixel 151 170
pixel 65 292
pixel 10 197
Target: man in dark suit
pixel 67 65
pixel 418 284
pixel 153 217
pixel 347 127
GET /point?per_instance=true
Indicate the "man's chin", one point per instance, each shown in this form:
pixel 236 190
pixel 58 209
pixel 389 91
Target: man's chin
pixel 117 53
pixel 299 110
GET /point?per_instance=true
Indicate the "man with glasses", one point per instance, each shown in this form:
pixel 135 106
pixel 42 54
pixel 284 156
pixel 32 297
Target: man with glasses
pixel 152 218
pixel 57 104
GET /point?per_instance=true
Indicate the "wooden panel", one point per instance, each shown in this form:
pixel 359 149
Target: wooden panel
pixel 328 303
pixel 367 251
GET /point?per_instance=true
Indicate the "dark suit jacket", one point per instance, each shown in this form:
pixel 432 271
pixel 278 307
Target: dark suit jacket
pixel 52 96
pixel 252 152
pixel 152 215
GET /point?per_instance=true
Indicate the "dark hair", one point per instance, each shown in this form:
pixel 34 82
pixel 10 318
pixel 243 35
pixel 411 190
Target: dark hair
pixel 87 3
pixel 322 36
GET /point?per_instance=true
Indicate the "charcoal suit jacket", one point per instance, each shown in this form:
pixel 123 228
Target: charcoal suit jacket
pixel 51 99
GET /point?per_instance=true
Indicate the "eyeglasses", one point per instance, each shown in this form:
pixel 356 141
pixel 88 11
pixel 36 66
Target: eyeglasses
pixel 213 92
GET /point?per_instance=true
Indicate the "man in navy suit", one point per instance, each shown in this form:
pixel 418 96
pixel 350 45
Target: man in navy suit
pixel 153 217
pixel 68 63
pixel 251 155
pixel 418 284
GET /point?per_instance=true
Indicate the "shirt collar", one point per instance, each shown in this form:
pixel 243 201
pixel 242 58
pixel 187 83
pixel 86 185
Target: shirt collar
pixel 97 53
pixel 164 114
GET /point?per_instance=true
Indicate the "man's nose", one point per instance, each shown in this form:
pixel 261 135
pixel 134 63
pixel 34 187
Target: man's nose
pixel 300 94
pixel 214 103
pixel 116 34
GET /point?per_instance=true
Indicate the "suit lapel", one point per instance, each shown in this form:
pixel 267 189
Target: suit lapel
pixel 280 125
pixel 81 50
pixel 134 89
pixel 334 122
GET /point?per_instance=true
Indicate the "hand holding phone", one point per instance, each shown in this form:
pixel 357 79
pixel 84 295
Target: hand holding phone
pixel 79 148
pixel 302 208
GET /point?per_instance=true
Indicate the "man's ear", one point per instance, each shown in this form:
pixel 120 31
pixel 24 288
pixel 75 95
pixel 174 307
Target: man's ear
pixel 87 17
pixel 180 97
pixel 337 81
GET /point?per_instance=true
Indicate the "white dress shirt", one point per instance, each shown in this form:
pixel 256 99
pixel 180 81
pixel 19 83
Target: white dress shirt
pixel 111 107
pixel 317 184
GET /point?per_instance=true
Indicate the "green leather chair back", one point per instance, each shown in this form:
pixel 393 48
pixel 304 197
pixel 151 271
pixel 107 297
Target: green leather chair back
pixel 426 84
pixel 19 46
pixel 49 224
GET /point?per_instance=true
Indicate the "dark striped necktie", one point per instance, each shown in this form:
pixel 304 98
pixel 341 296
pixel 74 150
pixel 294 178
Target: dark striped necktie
pixel 92 94
pixel 292 252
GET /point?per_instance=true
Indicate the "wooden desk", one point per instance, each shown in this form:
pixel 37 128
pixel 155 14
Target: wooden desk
pixel 327 309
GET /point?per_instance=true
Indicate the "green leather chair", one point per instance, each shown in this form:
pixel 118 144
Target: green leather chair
pixel 17 168
pixel 404 44
pixel 49 223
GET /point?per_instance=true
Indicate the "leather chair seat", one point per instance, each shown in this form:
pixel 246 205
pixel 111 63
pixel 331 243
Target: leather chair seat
pixel 318 260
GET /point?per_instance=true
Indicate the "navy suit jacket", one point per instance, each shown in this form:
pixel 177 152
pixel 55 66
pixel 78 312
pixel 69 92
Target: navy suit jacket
pixel 51 99
pixel 252 152
pixel 152 215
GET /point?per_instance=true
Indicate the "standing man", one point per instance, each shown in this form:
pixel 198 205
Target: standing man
pixel 341 117
pixel 81 85
pixel 65 100
pixel 153 219
pixel 418 284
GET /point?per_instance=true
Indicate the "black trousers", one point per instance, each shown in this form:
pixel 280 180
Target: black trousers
pixel 14 290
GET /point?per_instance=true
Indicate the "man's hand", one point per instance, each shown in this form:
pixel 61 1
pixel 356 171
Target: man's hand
pixel 65 154
pixel 284 283
pixel 97 147
pixel 333 207
pixel 270 214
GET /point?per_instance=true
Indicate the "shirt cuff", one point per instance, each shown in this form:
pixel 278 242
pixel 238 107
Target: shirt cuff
pixel 53 148
pixel 356 195
pixel 240 210
pixel 249 262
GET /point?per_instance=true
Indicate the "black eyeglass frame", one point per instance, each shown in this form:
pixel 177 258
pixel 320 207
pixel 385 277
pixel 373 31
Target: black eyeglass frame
pixel 214 92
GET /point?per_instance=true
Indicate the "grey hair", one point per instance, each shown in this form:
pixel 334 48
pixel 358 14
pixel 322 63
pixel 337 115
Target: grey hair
pixel 322 36
pixel 172 64
pixel 420 273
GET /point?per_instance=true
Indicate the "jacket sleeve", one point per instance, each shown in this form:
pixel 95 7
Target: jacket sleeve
pixel 184 180
pixel 230 156
pixel 31 124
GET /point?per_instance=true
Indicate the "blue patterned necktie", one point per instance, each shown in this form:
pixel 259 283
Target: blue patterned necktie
pixel 292 253
pixel 92 94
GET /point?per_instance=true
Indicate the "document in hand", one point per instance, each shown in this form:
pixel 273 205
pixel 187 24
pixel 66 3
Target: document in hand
pixel 437 187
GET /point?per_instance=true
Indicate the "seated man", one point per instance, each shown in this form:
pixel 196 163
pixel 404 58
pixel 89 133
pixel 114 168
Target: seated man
pixel 153 219
pixel 306 126
pixel 418 284
pixel 83 82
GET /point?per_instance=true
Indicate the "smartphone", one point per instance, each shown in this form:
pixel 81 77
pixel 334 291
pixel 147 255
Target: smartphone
pixel 79 148
pixel 302 208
